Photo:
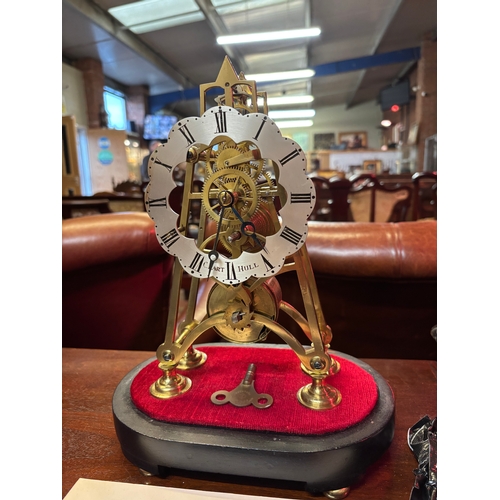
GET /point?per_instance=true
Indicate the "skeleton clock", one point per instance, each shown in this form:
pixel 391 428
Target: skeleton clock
pixel 230 199
pixel 255 200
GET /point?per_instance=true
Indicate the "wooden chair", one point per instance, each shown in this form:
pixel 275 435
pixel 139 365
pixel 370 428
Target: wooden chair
pixel 121 201
pixel 424 195
pixel 79 206
pixel 339 191
pixel 371 201
pixel 129 187
pixel 322 209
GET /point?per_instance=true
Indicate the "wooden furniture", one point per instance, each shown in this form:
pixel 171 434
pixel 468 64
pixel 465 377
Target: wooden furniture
pixel 371 201
pixel 339 191
pixel 322 209
pixel 101 203
pixel 129 187
pixel 425 195
pixel 90 448
pixel 70 173
pixel 78 206
pixel 364 197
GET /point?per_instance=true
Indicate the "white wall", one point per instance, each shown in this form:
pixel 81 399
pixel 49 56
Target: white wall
pixel 73 93
pixel 335 119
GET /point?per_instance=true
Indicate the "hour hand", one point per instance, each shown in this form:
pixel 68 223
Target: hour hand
pixel 213 255
pixel 226 199
pixel 248 229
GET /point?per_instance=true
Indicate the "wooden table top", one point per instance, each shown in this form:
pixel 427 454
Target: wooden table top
pixel 91 449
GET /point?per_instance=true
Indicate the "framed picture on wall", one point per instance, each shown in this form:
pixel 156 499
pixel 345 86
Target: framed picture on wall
pixel 324 141
pixel 354 140
pixel 372 166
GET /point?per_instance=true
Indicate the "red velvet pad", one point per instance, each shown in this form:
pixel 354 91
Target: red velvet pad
pixel 278 373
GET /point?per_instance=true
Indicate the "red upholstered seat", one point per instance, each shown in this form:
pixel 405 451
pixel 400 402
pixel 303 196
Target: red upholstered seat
pixel 278 373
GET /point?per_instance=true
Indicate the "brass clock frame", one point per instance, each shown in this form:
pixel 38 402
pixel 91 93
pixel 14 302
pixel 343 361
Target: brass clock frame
pixel 246 316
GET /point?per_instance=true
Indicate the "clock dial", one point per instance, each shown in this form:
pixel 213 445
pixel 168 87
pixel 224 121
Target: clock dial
pixel 255 192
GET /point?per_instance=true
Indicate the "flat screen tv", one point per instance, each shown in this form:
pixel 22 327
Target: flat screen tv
pixel 157 127
pixel 395 94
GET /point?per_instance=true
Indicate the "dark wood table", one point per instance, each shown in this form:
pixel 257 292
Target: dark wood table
pixel 91 449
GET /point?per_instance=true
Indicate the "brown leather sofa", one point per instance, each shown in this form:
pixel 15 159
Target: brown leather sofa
pixel 377 284
pixel 115 282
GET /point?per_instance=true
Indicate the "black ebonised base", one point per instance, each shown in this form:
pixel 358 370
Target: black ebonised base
pixel 322 463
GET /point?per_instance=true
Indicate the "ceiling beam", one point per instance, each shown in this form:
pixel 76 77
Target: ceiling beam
pixel 108 23
pixel 365 62
pixel 374 49
pixel 157 102
pixel 219 29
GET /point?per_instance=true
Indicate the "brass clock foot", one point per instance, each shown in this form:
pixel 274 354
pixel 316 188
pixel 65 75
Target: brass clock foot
pixel 335 368
pixel 337 494
pixel 192 359
pixel 169 385
pixel 319 395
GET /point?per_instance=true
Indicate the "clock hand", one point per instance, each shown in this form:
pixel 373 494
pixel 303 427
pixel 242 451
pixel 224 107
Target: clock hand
pixel 226 200
pixel 244 230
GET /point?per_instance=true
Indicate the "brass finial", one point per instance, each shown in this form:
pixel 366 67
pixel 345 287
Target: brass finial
pixel 239 93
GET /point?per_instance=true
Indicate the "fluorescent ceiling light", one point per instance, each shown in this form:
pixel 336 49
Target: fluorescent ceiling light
pixel 294 124
pixel 292 113
pixel 282 75
pixel 269 35
pixel 290 99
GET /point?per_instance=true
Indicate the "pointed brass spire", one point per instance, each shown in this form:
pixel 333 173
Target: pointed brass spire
pixel 237 90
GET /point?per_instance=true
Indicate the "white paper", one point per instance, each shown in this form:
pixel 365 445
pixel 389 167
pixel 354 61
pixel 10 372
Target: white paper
pixel 92 489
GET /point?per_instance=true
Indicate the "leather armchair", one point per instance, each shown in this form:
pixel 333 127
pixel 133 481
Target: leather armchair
pixel 115 282
pixel 377 283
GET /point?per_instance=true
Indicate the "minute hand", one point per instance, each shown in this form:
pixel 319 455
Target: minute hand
pixel 244 225
pixel 213 255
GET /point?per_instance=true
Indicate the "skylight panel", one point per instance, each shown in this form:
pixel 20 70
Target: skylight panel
pixel 224 7
pixel 152 15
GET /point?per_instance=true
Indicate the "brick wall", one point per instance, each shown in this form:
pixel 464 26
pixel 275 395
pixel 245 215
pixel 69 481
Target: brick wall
pixel 137 108
pixel 426 102
pixel 423 108
pixel 137 96
pixel 93 78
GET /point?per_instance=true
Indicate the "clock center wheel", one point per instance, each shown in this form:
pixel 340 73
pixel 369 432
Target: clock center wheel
pixel 239 307
pixel 226 183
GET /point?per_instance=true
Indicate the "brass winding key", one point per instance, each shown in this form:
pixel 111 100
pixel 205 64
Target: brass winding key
pixel 243 395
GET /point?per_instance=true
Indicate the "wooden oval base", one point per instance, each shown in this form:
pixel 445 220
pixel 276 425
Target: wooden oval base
pixel 322 463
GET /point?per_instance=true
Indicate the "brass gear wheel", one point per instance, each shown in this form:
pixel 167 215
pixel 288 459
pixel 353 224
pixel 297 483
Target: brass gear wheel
pixel 224 154
pixel 242 187
pixel 229 149
pixel 239 306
